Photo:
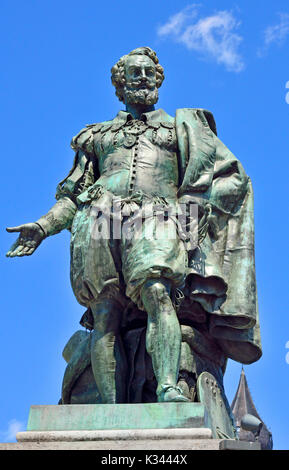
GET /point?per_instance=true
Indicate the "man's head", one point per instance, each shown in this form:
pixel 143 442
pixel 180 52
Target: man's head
pixel 137 77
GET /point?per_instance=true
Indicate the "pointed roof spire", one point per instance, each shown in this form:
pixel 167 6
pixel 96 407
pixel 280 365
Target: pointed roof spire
pixel 243 401
pixel 243 404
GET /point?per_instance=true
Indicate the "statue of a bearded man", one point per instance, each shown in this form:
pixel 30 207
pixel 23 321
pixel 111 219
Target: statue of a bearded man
pixel 145 166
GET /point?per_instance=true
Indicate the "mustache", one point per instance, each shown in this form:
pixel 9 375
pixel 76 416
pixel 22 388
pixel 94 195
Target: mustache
pixel 139 84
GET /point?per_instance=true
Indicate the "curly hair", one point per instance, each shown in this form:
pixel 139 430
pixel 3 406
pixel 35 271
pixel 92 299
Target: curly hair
pixel 118 72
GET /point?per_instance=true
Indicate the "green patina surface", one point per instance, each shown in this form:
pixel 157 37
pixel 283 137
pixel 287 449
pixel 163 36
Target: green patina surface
pixel 164 304
pixel 119 416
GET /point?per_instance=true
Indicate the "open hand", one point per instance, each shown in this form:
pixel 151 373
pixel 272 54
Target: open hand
pixel 31 235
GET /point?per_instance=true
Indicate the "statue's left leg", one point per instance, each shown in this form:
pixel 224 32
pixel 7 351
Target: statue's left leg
pixel 163 338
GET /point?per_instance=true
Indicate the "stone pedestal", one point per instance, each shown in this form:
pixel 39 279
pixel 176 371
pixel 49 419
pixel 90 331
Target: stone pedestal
pixel 118 416
pixel 121 427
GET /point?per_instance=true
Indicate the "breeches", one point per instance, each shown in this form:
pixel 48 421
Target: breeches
pixel 105 253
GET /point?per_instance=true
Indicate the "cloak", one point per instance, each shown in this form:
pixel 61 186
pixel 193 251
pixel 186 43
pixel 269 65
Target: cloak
pixel 221 272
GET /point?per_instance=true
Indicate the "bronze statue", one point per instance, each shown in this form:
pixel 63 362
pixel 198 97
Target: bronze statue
pixel 193 305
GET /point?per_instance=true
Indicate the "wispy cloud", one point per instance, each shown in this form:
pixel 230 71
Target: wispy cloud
pixel 212 36
pixel 275 34
pixel 176 22
pixel 279 32
pixel 14 426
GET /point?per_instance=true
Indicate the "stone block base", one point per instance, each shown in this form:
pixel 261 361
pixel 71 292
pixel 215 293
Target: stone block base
pixel 126 440
pixel 123 427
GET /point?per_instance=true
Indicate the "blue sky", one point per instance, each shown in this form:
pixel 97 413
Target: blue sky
pixel 228 57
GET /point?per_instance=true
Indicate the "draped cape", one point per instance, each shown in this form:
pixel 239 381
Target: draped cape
pixel 221 272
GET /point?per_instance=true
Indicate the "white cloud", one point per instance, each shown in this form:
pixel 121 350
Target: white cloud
pixel 14 426
pixel 212 36
pixel 279 32
pixel 176 22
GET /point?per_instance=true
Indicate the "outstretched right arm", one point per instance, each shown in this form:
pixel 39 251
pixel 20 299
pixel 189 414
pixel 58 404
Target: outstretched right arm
pixel 61 215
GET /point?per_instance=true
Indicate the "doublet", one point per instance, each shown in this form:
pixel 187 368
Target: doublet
pixel 129 156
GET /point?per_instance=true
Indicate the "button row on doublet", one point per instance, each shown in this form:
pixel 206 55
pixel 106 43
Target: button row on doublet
pixel 134 165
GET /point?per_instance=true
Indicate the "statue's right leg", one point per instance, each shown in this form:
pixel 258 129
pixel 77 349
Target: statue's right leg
pixel 108 358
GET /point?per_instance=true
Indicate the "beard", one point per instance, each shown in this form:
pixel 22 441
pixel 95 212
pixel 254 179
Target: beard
pixel 143 96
